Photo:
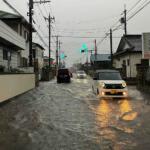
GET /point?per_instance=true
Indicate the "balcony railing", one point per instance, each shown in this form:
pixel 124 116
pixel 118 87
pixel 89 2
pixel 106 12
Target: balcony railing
pixel 11 36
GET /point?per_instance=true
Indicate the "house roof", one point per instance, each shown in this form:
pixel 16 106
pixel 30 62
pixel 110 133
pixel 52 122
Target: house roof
pixel 38 45
pixel 7 12
pixel 130 43
pixel 100 57
pixel 106 70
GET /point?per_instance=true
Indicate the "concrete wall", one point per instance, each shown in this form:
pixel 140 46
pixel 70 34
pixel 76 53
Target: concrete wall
pixel 131 68
pixel 13 85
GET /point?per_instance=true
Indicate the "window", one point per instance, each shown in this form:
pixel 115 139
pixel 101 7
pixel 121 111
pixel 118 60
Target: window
pixel 124 62
pixel 109 76
pixel 128 62
pixel 5 54
pixel 26 36
pixel 34 53
pixel 24 62
pixel 21 29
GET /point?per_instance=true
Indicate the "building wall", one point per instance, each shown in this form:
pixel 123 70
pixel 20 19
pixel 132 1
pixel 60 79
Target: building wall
pixel 24 53
pixel 135 59
pixel 13 85
pixel 23 32
pixel 39 56
pixel 130 62
pixel 7 33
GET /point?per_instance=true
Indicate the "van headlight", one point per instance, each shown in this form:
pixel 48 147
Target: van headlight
pixel 124 84
pixel 102 84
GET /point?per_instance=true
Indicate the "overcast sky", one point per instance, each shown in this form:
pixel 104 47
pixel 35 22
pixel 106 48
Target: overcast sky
pixel 90 18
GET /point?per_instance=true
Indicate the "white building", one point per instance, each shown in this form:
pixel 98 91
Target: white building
pixel 128 55
pixel 14 41
pixel 38 55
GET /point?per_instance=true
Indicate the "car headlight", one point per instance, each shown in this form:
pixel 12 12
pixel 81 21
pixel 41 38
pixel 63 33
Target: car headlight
pixel 124 84
pixel 102 84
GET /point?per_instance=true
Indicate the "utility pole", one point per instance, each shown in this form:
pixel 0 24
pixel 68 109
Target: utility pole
pixel 30 33
pixel 59 53
pixel 30 14
pixel 111 47
pixel 49 21
pixel 57 47
pixel 123 20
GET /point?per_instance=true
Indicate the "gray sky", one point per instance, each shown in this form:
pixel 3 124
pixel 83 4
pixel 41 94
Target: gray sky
pixel 85 18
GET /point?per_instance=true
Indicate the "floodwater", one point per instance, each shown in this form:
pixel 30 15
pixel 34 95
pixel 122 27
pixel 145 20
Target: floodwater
pixel 70 117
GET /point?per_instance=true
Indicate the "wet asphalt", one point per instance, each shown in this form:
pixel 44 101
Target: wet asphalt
pixel 70 117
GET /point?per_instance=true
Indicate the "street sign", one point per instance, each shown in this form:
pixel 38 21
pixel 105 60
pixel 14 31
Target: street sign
pixel 146 45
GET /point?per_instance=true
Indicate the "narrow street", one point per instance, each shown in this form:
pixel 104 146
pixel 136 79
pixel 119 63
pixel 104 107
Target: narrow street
pixel 70 117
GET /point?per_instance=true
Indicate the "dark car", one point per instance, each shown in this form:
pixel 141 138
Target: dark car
pixel 63 75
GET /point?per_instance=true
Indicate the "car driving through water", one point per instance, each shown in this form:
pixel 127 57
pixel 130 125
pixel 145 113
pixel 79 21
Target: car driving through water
pixel 108 83
pixel 63 75
pixel 81 74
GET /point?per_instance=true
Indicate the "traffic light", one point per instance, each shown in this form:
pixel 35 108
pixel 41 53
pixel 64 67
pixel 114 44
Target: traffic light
pixel 62 56
pixel 84 48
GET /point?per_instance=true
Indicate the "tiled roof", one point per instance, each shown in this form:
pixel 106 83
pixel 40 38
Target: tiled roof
pixel 134 42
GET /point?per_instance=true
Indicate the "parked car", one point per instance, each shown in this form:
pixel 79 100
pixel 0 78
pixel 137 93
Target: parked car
pixel 63 75
pixel 108 83
pixel 81 74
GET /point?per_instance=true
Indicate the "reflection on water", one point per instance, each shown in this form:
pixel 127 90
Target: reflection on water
pixel 125 106
pixel 104 119
pixel 85 81
pixel 127 113
pixel 108 112
pixel 103 111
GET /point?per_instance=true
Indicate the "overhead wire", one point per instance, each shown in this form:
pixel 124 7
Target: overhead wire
pixel 137 11
pixel 134 6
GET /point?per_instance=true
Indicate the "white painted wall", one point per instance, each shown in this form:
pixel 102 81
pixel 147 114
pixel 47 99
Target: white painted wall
pixel 13 85
pixel 10 35
pixel 134 59
pixel 39 56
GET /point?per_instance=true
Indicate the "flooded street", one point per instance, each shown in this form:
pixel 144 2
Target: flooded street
pixel 70 117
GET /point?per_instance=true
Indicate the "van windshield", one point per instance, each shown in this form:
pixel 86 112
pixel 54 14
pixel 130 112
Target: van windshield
pixel 63 71
pixel 109 76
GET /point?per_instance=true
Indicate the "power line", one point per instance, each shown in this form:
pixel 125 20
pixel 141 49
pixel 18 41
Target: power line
pixel 118 27
pixel 134 6
pixel 138 11
pixel 92 37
